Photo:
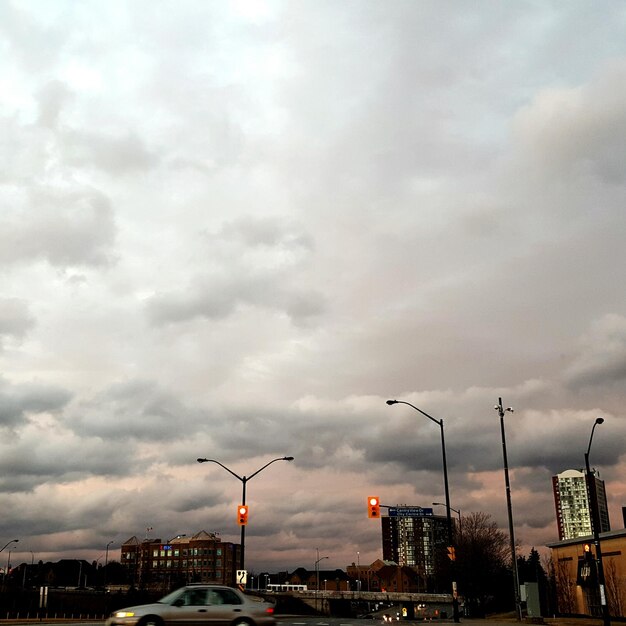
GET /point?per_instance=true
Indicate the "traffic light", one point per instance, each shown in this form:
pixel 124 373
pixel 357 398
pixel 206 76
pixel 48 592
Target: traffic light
pixel 373 506
pixel 451 553
pixel 242 515
pixel 587 552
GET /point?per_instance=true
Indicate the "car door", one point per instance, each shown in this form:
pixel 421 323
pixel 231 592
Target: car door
pixel 224 605
pixel 190 609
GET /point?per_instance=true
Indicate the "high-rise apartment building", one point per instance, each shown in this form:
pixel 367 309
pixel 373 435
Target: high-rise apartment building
pixel 573 511
pixel 415 538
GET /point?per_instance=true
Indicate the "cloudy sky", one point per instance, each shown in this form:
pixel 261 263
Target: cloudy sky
pixel 233 229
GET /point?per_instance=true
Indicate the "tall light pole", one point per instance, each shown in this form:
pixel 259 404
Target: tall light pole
pixel 518 605
pixel 106 562
pixel 317 570
pixel 455 604
pixel 3 547
pixel 244 480
pixel 595 526
pixel 317 575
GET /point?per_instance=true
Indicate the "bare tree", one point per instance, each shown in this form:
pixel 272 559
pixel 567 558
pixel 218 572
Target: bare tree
pixel 565 588
pixel 482 563
pixel 614 588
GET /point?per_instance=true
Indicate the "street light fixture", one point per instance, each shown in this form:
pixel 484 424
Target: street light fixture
pixel 7 543
pixel 455 604
pixel 317 575
pixel 457 511
pixel 244 480
pixel 317 570
pixel 516 590
pixel 595 526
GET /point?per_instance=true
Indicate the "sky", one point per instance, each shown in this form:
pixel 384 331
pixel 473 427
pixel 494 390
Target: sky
pixel 234 229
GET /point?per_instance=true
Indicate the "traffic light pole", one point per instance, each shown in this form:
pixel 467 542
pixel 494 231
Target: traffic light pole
pixel 244 480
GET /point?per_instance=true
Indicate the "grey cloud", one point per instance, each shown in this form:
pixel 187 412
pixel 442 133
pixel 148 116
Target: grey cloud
pixel 15 318
pixel 602 357
pixel 267 231
pixel 65 228
pixel 51 98
pixel 136 410
pixel 259 261
pixel 18 401
pixel 35 45
pixel 116 155
pixel 578 131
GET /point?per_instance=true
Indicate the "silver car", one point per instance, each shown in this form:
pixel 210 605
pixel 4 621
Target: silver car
pixel 198 605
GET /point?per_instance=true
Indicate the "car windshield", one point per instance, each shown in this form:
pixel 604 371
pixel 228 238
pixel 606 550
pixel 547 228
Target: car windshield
pixel 170 598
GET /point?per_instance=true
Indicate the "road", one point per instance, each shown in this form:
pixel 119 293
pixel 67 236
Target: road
pixel 298 620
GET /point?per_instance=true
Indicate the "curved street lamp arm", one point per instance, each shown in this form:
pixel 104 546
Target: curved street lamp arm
pixel 8 542
pixel 222 465
pixel 599 420
pixel 430 417
pixel 282 458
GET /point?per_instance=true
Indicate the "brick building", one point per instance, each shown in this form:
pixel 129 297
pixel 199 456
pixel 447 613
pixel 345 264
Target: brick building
pixel 204 557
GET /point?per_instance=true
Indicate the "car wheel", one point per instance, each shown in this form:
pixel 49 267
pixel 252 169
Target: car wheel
pixel 242 622
pixel 151 620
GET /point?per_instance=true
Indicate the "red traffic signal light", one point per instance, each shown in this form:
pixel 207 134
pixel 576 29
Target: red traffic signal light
pixel 373 506
pixel 242 515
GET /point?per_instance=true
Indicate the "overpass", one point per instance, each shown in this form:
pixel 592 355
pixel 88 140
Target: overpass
pixel 353 603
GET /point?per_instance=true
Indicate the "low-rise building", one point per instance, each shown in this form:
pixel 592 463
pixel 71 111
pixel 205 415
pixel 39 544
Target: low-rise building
pixel 575 574
pixel 203 557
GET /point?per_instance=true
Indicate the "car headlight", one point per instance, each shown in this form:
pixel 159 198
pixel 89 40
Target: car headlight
pixel 125 614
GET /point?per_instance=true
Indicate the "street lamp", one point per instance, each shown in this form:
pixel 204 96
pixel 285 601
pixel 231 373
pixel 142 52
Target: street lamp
pixel 516 590
pixel 457 511
pixel 595 525
pixel 3 547
pixel 244 480
pixel 106 562
pixel 455 604
pixel 7 543
pixel 317 570
pixel 317 575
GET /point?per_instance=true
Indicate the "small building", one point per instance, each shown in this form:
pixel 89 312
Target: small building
pixel 576 576
pixel 203 557
pixel 329 580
